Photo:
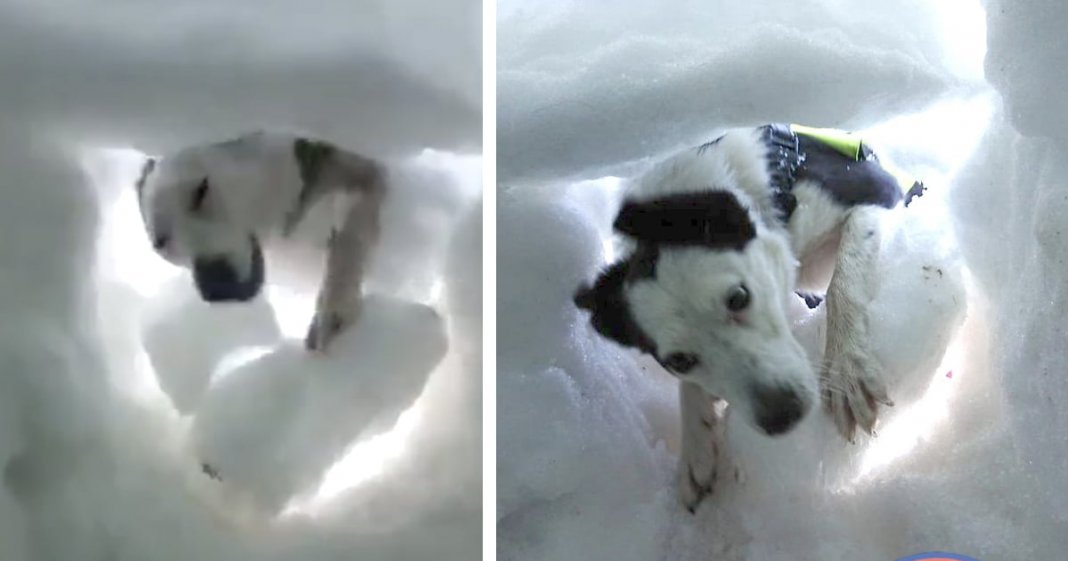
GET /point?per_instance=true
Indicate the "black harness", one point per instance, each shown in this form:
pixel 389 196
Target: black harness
pixel 850 180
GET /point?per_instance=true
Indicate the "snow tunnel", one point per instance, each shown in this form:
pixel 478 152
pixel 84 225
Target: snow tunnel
pixel 139 422
pixel 960 93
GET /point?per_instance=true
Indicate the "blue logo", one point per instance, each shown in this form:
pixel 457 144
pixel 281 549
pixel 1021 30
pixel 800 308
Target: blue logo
pixel 937 556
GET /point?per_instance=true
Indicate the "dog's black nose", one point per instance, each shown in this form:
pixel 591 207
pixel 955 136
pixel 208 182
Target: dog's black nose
pixel 218 281
pixel 778 409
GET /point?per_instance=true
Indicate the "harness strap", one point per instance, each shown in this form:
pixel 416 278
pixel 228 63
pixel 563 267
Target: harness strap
pixel 784 160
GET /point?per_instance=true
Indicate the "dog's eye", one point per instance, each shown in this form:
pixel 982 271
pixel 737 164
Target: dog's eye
pixel 738 298
pixel 199 195
pixel 680 363
pixel 160 241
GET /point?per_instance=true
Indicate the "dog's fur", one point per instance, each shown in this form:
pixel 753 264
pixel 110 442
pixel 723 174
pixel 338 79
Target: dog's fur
pixel 704 223
pixel 213 207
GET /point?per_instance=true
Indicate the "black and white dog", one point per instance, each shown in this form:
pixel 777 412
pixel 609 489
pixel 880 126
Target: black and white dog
pixel 213 207
pixel 722 236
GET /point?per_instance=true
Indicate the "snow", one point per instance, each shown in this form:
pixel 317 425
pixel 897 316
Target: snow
pixel 119 383
pixel 971 459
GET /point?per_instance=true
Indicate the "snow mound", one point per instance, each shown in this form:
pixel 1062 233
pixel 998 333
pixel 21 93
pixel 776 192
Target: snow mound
pixel 271 427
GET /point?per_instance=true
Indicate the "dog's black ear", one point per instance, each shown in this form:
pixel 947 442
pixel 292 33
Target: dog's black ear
pixel 609 311
pixel 585 298
pixel 146 169
pixel 714 219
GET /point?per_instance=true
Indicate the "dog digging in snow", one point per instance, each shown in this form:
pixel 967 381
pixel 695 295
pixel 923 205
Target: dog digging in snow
pixel 720 238
pixel 213 208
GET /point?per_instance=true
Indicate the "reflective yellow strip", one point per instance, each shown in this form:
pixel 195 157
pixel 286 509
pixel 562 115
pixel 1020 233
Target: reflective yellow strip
pixel 845 142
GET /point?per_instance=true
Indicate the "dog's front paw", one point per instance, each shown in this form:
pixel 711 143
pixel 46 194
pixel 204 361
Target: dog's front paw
pixel 698 476
pixel 327 325
pixel 852 389
pixel 697 479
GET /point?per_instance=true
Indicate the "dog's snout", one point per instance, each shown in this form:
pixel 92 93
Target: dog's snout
pixel 778 408
pixel 218 279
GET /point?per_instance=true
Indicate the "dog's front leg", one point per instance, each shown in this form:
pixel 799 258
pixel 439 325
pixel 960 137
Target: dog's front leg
pixel 704 437
pixel 851 382
pixel 350 245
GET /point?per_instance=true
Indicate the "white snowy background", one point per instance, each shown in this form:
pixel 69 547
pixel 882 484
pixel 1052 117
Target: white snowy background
pixel 116 382
pixel 963 93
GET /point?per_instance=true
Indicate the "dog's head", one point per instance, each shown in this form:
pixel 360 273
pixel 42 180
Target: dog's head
pixel 705 292
pixel 190 224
